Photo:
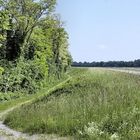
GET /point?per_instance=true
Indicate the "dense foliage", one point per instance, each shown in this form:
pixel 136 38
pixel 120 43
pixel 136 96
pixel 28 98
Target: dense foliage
pixel 33 44
pixel 135 63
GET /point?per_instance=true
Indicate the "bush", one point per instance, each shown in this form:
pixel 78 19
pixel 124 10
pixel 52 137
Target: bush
pixel 24 77
pixel 1 70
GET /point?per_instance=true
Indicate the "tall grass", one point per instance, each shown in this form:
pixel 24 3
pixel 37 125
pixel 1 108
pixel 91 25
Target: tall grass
pixel 12 99
pixel 95 105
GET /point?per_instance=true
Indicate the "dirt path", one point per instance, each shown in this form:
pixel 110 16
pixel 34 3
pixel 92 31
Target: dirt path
pixel 9 134
pixel 125 70
pixel 130 71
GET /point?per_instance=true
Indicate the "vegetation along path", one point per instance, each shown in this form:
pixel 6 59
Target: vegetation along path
pixel 95 104
pixel 7 133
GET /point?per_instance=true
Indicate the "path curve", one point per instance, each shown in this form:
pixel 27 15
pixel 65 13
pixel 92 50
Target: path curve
pixel 7 133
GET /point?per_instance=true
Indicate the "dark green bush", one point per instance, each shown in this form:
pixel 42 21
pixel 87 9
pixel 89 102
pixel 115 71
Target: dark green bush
pixel 25 77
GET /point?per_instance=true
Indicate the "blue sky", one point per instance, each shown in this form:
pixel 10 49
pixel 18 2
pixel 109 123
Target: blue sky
pixel 102 30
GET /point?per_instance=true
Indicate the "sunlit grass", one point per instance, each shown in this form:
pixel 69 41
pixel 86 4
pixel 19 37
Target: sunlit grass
pixel 8 100
pixel 95 104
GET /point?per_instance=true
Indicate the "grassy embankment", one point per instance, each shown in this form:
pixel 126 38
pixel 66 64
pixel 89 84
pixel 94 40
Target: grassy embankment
pixel 94 104
pixel 9 100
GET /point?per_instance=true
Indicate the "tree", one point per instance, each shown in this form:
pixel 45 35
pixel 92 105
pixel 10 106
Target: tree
pixel 34 44
pixel 24 16
pixel 58 57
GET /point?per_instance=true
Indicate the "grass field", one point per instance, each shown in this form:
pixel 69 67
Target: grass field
pixel 96 104
pixel 8 100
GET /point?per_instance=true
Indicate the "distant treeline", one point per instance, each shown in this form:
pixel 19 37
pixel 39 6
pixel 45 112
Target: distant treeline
pixel 135 63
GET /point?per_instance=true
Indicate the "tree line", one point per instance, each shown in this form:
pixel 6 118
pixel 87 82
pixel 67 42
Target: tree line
pixel 33 44
pixel 135 63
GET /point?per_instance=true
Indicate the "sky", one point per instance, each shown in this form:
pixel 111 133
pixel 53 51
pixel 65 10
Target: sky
pixel 102 30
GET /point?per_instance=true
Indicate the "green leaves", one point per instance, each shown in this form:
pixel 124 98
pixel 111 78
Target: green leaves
pixel 34 41
pixel 4 25
pixel 1 70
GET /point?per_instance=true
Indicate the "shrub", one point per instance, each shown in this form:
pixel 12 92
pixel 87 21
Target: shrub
pixel 26 77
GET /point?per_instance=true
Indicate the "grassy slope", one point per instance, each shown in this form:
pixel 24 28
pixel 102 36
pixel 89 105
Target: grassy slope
pixel 9 101
pixel 95 104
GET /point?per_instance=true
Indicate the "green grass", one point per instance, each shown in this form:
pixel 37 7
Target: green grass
pixel 94 105
pixel 9 100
